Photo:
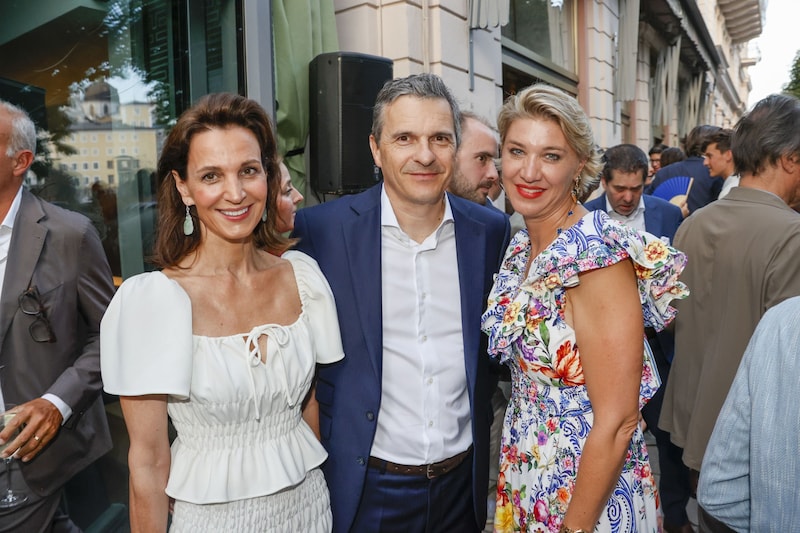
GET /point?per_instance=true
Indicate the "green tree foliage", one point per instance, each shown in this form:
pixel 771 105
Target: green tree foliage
pixel 793 87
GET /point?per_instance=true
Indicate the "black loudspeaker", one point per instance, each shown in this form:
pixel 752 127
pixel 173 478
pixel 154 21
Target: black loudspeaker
pixel 342 90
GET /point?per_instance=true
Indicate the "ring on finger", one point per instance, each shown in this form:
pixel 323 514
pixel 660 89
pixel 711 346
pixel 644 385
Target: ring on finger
pixel 36 438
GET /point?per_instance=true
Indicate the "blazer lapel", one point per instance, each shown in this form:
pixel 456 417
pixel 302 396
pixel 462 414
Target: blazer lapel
pixel 24 249
pixel 362 247
pixel 652 219
pixel 471 255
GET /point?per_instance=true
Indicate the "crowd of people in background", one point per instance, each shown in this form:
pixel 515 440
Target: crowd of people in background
pixel 491 329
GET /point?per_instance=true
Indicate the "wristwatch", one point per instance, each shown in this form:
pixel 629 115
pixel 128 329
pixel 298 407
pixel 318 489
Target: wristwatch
pixel 565 529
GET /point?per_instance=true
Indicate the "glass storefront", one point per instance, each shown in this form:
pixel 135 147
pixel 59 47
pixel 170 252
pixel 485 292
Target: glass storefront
pixel 104 81
pixel 545 28
pixel 539 45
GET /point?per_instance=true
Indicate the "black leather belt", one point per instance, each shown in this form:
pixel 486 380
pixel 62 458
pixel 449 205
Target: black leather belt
pixel 430 471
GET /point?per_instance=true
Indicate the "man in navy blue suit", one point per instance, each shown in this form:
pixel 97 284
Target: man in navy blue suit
pixel 623 180
pixel 405 416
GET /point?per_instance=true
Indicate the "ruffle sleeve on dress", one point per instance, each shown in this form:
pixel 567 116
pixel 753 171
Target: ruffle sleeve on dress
pixel 504 318
pixel 319 307
pixel 597 242
pixel 657 266
pixel 146 338
pixel 594 242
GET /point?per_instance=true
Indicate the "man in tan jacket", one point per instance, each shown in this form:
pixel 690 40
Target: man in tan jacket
pixel 743 259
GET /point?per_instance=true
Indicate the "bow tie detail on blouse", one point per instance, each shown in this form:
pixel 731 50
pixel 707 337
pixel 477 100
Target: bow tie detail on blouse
pixel 254 357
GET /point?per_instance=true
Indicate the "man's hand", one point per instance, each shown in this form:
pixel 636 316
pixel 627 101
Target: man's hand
pixel 39 421
pixel 684 208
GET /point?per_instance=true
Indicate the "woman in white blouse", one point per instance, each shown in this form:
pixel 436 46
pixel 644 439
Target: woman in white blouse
pixel 223 341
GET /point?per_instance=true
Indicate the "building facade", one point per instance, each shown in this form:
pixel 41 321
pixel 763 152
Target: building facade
pixel 645 71
pixel 105 80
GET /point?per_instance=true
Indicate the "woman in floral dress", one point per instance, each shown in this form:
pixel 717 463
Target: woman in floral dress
pixel 567 315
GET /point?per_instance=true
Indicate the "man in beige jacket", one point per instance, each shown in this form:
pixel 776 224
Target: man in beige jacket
pixel 743 259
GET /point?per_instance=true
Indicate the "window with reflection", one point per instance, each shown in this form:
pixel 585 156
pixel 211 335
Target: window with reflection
pixel 544 27
pixel 104 81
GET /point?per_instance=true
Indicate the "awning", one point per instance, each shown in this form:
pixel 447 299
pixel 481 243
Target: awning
pixel 673 18
pixel 665 84
pixel 690 113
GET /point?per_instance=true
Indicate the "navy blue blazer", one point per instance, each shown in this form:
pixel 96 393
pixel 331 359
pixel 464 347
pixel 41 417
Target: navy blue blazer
pixel 661 218
pixel 344 236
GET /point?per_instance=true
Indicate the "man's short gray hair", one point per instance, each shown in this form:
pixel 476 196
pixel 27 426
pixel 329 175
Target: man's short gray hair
pixel 767 133
pixel 23 132
pixel 420 86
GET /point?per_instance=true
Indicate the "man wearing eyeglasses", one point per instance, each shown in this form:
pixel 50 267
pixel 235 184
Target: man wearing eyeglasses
pixel 55 284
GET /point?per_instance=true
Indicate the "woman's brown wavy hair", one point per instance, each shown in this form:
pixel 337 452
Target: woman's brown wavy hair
pixel 220 110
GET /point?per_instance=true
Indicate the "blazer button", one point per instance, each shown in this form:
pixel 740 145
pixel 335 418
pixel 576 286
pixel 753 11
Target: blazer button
pixel 370 416
pixel 361 461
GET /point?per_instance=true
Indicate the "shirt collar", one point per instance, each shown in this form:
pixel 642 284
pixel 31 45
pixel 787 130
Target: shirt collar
pixel 8 222
pixel 639 208
pixel 388 218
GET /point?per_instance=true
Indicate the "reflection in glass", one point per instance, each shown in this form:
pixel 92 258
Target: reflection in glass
pixel 104 81
pixel 545 28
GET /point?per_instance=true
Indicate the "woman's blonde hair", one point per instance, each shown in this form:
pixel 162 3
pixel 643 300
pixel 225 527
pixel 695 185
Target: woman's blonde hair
pixel 542 101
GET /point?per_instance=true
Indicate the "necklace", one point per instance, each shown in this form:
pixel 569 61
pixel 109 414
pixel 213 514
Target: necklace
pixel 559 230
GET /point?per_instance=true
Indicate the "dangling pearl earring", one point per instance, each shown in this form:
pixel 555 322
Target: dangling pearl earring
pixel 188 223
pixel 264 215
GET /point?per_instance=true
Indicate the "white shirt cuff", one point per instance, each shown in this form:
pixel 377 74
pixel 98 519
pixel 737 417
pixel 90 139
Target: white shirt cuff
pixel 66 410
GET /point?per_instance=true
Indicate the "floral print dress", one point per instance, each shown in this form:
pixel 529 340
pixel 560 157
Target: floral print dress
pixel 549 414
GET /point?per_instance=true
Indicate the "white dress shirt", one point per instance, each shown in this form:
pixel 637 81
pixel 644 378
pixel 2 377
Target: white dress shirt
pixel 635 220
pixel 6 229
pixel 500 201
pixel 424 415
pixel 5 235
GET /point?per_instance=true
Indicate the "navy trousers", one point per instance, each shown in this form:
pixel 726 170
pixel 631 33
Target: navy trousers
pixel 673 486
pixel 415 504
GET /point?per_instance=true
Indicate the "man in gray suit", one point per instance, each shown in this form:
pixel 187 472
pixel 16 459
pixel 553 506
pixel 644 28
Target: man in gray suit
pixel 55 284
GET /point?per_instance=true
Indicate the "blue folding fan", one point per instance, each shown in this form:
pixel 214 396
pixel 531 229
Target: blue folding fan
pixel 669 188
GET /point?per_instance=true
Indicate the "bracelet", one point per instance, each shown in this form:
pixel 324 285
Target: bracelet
pixel 565 529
